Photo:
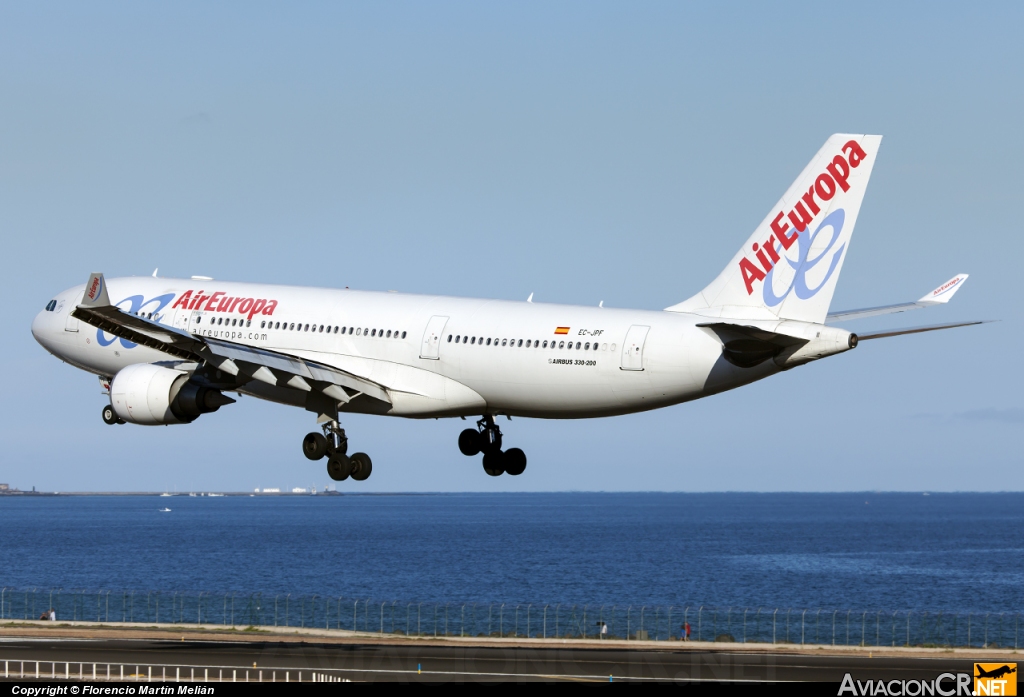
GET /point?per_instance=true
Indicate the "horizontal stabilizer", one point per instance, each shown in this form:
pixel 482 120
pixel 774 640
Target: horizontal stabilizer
pixel 939 296
pixel 918 330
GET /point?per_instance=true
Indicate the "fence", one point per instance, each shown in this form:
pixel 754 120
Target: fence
pixel 528 620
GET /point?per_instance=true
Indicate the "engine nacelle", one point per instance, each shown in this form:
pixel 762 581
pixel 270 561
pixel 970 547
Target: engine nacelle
pixel 151 395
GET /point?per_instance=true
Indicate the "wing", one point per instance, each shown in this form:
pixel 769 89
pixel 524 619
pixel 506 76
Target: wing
pixel 939 296
pixel 244 362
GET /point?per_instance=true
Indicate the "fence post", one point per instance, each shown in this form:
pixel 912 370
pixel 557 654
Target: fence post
pixel 878 618
pixel 802 615
pixel 530 605
pixel 894 628
pixel 908 629
pixel 556 620
pixel 700 612
pixel 585 620
pixel 745 625
pixel 462 631
pixel 545 621
pixel 774 615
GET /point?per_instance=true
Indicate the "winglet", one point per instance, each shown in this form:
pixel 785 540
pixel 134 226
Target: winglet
pixel 943 293
pixel 95 292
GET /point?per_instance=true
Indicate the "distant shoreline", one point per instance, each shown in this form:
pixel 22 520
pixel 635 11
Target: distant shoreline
pixel 207 494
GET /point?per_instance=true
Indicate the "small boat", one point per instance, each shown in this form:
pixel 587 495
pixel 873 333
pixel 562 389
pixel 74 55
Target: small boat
pixel 165 510
pixel 166 494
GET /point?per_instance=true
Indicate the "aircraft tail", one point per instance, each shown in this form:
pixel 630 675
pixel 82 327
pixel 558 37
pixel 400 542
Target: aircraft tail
pixel 789 267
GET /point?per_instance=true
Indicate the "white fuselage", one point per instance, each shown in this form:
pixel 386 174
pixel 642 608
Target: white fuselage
pixel 487 357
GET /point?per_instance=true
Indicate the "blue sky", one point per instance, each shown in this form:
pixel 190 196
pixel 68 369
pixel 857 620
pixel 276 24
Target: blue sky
pixel 577 151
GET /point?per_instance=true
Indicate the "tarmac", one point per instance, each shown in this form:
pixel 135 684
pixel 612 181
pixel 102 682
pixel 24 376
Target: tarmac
pixel 212 652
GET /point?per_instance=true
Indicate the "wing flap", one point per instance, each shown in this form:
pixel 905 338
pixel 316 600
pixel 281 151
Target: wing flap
pixel 273 367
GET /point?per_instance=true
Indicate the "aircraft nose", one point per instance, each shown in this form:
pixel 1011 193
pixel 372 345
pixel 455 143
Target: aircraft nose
pixel 39 326
pixel 43 330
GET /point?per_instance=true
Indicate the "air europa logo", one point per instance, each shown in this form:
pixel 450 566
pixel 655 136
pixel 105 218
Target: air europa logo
pixel 946 286
pixel 221 302
pixel 826 186
pixel 94 289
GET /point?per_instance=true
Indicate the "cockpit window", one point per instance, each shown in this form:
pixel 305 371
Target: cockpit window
pixel 51 305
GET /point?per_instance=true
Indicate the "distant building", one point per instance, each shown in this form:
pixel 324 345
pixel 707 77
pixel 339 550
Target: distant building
pixel 274 490
pixel 300 490
pixel 4 487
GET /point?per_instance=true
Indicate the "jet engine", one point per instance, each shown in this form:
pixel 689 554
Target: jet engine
pixel 152 395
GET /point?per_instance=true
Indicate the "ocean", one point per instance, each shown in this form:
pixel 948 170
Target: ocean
pixel 867 551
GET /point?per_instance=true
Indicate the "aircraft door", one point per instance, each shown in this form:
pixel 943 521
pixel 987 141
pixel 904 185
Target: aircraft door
pixel 633 348
pixel 71 324
pixel 431 345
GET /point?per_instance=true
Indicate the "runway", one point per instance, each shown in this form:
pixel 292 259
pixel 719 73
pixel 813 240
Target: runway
pixel 414 662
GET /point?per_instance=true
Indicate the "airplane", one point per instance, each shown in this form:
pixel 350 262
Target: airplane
pixel 995 673
pixel 168 351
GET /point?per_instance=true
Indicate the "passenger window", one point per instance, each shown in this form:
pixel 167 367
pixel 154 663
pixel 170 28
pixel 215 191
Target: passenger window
pixel 343 330
pixel 561 344
pixel 604 347
pixel 389 334
pixel 366 331
pixel 350 331
pixel 488 342
pixel 504 342
pixel 545 344
pixel 198 320
pixel 586 347
pixel 527 343
pixel 595 345
pixel 449 338
pixel 248 322
pixel 612 347
pixel 472 340
pixel 373 332
pixel 577 346
pixel 520 343
pixel 457 337
pixel 359 332
pixel 403 335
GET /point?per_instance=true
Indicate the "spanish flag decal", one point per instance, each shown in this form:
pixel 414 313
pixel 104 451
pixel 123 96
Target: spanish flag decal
pixel 562 330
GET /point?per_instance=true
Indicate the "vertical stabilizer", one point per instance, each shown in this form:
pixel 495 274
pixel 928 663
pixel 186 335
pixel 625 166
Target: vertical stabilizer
pixel 789 267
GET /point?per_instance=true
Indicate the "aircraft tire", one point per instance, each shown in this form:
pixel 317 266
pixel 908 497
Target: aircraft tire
pixel 361 466
pixel 314 446
pixel 110 416
pixel 469 442
pixel 494 463
pixel 339 467
pixel 514 461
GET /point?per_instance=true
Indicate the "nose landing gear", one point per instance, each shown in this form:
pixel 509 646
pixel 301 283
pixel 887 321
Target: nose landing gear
pixel 486 439
pixel 333 444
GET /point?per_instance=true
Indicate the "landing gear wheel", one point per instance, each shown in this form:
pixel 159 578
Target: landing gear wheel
pixel 339 467
pixel 514 461
pixel 469 442
pixel 110 416
pixel 494 463
pixel 314 446
pixel 361 466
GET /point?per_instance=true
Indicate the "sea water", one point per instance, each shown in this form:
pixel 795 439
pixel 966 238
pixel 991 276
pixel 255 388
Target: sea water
pixel 886 551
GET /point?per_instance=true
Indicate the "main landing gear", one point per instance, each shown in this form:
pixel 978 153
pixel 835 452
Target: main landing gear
pixel 486 439
pixel 333 445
